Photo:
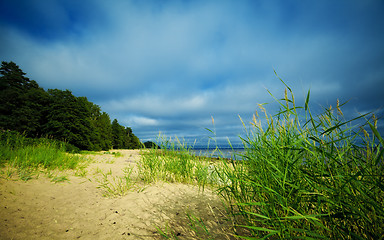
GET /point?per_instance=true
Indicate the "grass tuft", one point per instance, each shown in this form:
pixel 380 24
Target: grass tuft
pixel 113 186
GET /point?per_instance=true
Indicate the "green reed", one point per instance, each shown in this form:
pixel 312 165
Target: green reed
pixel 305 176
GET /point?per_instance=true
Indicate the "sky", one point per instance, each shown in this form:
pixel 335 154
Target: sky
pixel 172 66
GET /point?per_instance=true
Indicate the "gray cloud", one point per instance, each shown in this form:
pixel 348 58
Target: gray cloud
pixel 170 66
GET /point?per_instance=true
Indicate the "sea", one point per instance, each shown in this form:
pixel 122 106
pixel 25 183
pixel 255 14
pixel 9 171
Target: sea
pixel 229 153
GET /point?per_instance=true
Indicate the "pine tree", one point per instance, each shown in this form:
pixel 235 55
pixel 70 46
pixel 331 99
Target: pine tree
pixel 68 119
pixel 22 101
pixel 103 123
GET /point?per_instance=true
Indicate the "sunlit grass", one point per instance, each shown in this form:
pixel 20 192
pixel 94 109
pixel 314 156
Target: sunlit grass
pixel 116 186
pixel 176 163
pixel 27 157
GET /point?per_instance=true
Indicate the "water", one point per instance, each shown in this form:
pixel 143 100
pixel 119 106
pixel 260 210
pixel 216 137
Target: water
pixel 222 152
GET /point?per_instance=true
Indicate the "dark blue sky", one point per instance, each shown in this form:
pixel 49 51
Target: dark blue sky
pixel 168 66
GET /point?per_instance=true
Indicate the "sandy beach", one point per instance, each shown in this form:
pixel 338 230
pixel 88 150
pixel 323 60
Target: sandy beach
pixel 77 209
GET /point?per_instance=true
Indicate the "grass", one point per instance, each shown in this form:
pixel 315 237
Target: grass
pixel 303 176
pixel 59 179
pixel 81 172
pixel 306 176
pixel 113 186
pixel 28 156
pixel 197 226
pixel 116 154
pixel 176 163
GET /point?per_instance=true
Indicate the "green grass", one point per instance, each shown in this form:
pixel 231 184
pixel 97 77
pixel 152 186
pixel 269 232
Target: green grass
pixel 59 179
pixel 176 163
pixel 27 155
pixel 113 186
pixel 304 176
pixel 198 228
pixel 116 154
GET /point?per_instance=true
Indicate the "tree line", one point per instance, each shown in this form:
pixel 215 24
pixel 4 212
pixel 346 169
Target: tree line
pixel 29 109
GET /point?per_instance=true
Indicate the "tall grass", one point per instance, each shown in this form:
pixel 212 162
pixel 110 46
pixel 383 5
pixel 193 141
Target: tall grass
pixel 28 155
pixel 175 162
pixel 307 177
pixel 303 176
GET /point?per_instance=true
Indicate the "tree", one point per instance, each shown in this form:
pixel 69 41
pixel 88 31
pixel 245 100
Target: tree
pixel 68 119
pixel 105 128
pixel 133 142
pixel 117 135
pixel 12 76
pixel 29 109
pixel 124 138
pixel 22 101
pixel 101 124
pixel 91 114
pixel 150 144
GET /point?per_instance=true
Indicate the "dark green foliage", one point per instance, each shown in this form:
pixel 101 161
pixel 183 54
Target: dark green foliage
pixel 150 144
pixel 103 135
pixel 132 142
pixel 21 101
pixel 117 134
pixel 67 119
pixel 29 109
pixel 123 138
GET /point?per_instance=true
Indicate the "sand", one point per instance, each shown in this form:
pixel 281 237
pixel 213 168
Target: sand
pixel 77 209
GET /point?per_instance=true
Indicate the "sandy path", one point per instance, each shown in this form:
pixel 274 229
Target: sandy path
pixel 41 209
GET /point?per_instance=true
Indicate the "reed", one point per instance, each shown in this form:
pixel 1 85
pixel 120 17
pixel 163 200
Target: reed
pixel 306 176
pixel 303 176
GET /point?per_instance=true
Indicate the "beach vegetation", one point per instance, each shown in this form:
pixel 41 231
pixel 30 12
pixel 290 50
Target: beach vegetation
pixel 116 186
pixel 28 156
pixel 175 162
pixel 306 176
pixel 302 176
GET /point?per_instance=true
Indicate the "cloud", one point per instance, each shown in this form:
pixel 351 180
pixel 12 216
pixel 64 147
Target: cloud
pixel 157 105
pixel 170 65
pixel 141 121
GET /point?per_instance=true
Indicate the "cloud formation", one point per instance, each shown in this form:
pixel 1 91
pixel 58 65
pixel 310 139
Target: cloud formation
pixel 170 65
